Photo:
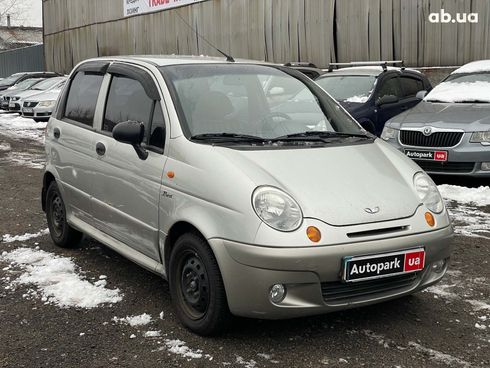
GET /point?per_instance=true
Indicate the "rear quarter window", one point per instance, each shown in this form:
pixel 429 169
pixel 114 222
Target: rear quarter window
pixel 82 97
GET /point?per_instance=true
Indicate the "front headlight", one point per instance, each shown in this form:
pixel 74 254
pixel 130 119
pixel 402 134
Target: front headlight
pixel 480 137
pixel 388 133
pixel 428 192
pixel 277 209
pixel 50 103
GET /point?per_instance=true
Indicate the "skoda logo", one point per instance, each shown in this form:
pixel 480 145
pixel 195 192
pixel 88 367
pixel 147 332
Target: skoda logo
pixel 427 131
pixel 372 211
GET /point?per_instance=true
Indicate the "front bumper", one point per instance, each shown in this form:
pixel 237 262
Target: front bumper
pixel 37 112
pixel 464 159
pixel 310 273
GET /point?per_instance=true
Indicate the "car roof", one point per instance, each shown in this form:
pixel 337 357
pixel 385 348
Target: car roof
pixel 164 60
pixel 373 71
pixel 479 66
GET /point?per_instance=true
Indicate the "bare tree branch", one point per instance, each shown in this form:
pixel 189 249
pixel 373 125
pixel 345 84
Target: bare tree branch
pixel 15 8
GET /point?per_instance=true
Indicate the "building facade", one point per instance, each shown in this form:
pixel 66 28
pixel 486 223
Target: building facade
pixel 319 31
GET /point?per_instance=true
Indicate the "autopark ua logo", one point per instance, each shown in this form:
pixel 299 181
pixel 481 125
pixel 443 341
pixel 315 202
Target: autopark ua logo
pixel 443 17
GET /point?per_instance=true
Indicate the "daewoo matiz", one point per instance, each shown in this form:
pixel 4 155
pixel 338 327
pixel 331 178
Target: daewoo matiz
pixel 183 165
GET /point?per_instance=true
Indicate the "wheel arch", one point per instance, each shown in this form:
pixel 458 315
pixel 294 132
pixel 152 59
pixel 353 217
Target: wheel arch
pixel 48 178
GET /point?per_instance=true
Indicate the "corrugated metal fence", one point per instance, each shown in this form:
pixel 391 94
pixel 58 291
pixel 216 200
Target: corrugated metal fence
pixel 320 31
pixel 26 59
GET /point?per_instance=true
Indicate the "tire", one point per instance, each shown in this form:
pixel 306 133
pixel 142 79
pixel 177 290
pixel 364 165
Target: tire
pixel 196 287
pixel 63 235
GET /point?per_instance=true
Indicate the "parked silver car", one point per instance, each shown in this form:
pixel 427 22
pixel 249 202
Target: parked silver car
pixel 181 165
pixel 17 99
pixel 449 131
pixel 40 106
pixel 7 94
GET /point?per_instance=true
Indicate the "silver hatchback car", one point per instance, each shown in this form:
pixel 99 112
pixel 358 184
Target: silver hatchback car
pixel 188 167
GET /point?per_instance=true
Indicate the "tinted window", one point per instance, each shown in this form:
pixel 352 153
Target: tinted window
pixel 82 98
pixel 390 87
pixel 157 135
pixel 411 86
pixel 127 100
pixel 350 88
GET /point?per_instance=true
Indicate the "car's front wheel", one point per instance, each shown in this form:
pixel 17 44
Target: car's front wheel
pixel 196 286
pixel 61 232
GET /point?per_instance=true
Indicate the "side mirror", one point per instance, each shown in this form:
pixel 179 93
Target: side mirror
pixel 386 99
pixel 131 132
pixel 421 95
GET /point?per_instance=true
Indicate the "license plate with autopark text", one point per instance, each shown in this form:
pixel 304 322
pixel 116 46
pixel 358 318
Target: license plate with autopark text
pixel 383 265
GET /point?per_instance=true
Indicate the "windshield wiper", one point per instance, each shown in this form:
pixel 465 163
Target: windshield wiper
pixel 317 135
pixel 223 137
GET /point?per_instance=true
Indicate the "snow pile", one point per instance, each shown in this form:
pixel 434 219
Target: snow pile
pixel 180 348
pixel 473 196
pixel 57 280
pixel 4 147
pixel 463 205
pixel 357 99
pixel 474 67
pixel 15 126
pixel 460 92
pixel 246 363
pixel 135 321
pixel 152 334
pixel 7 238
pixel 32 160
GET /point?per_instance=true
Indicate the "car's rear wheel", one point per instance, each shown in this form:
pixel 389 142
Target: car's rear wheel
pixel 196 286
pixel 61 232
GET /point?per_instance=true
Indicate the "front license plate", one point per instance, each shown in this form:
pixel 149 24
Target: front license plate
pixel 427 155
pixel 27 109
pixel 11 105
pixel 383 265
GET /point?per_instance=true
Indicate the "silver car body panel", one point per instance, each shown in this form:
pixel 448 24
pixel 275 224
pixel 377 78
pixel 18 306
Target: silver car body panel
pixel 132 205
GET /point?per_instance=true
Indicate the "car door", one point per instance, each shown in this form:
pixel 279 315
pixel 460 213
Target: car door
pixel 388 86
pixel 126 194
pixel 71 139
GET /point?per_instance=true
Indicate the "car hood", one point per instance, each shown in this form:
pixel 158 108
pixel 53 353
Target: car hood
pixel 336 184
pixel 44 96
pixel 469 117
pixel 27 93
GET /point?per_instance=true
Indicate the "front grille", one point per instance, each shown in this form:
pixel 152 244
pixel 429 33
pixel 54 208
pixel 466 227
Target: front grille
pixel 454 167
pixel 30 104
pixel 337 292
pixel 437 139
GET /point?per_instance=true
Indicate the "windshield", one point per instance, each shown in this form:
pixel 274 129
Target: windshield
pixel 462 88
pixel 10 80
pixel 233 99
pixel 26 83
pixel 348 88
pixel 47 84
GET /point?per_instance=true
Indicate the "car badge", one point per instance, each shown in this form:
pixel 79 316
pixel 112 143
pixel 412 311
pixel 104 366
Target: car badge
pixel 372 211
pixel 427 131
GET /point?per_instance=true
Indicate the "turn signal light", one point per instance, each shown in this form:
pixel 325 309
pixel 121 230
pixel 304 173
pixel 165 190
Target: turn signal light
pixel 429 218
pixel 313 234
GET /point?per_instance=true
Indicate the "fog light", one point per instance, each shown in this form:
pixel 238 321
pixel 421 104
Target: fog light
pixel 438 266
pixel 485 166
pixel 313 234
pixel 277 293
pixel 430 219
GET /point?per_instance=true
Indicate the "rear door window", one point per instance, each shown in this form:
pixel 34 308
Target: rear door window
pixel 82 97
pixel 127 101
pixel 390 87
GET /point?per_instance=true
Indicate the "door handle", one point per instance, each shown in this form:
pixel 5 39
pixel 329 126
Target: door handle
pixel 56 132
pixel 100 148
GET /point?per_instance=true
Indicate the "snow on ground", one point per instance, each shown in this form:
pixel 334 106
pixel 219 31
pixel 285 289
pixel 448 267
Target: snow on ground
pixel 135 321
pixel 465 206
pixel 17 127
pixel 56 280
pixel 5 147
pixel 27 159
pixel 7 238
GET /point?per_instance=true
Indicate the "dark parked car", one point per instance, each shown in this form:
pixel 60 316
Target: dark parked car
pixel 373 94
pixel 19 77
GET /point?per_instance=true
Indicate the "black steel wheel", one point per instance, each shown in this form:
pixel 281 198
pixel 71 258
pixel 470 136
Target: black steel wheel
pixel 61 232
pixel 196 286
